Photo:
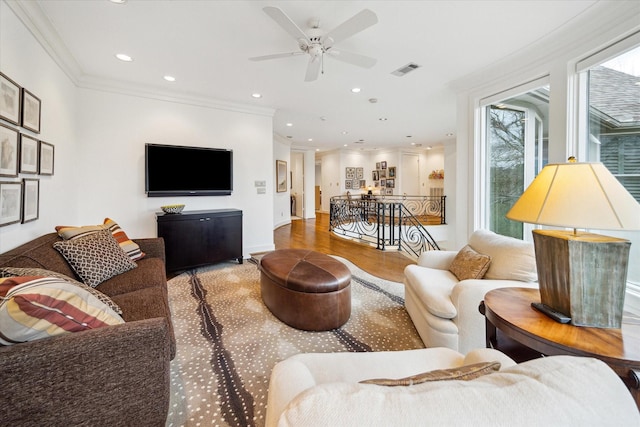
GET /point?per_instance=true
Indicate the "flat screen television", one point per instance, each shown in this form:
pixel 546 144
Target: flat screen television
pixel 172 170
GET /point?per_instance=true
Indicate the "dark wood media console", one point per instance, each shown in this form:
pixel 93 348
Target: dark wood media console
pixel 195 238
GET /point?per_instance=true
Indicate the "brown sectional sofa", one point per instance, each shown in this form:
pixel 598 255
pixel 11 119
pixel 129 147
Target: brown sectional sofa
pixel 115 375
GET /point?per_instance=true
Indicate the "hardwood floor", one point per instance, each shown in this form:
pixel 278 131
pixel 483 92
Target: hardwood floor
pixel 314 234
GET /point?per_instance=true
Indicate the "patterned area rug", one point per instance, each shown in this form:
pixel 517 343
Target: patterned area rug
pixel 228 341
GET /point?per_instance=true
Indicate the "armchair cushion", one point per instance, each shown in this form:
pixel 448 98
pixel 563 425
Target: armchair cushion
pixel 511 259
pixel 469 264
pixel 433 287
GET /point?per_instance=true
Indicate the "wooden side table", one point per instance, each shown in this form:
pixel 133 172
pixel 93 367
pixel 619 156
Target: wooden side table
pixel 509 310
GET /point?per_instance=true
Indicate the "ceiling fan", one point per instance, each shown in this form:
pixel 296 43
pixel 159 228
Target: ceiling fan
pixel 315 43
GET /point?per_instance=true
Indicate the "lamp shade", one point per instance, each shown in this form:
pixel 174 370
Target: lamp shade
pixel 577 195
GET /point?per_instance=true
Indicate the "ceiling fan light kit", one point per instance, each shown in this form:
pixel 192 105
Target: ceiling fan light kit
pixel 315 44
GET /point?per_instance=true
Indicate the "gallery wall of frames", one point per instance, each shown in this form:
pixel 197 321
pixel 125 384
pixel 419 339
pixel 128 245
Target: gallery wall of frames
pixel 23 156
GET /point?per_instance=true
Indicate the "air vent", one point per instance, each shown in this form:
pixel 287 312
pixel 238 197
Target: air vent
pixel 405 69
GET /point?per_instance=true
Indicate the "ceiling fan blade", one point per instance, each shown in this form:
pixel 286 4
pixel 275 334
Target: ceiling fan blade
pixel 355 24
pixel 313 69
pixel 353 58
pixel 286 23
pixel 276 56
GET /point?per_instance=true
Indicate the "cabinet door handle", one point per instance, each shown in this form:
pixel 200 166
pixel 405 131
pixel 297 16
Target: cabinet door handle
pixel 201 219
pixel 208 219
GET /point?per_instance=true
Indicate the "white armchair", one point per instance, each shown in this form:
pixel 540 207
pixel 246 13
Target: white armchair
pixel 444 309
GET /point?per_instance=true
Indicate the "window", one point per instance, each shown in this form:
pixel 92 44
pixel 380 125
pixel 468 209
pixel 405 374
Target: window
pixel 612 99
pixel 516 150
pixel 614 118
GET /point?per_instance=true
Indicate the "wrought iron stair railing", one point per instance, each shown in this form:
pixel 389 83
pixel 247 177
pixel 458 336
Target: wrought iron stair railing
pixel 396 222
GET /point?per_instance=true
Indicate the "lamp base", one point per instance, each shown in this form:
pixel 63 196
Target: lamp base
pixel 583 275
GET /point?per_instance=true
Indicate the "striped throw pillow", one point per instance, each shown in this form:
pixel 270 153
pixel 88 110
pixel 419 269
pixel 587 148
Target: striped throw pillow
pixel 33 308
pixel 131 248
pixel 32 271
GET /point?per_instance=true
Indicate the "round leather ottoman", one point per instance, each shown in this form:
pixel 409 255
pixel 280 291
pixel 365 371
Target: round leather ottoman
pixel 306 289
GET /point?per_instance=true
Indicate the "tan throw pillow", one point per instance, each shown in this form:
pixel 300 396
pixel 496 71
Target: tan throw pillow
pixel 96 257
pixel 469 264
pixel 462 373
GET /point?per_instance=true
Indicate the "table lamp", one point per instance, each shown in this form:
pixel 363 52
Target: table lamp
pixel 581 275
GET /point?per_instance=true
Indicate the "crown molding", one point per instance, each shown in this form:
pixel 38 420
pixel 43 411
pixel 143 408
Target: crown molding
pixel 34 19
pixel 31 15
pixel 603 23
pixel 155 93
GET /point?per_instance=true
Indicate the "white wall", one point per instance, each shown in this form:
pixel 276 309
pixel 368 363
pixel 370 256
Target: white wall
pixel 99 139
pixel 112 130
pixel 23 60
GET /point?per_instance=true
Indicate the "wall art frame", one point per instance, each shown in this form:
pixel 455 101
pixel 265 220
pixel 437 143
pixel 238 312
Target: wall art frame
pixel 10 100
pixel 46 158
pixel 281 176
pixel 28 154
pixel 30 199
pixel 31 109
pixel 9 143
pixel 10 203
pixel 375 175
pixel 392 171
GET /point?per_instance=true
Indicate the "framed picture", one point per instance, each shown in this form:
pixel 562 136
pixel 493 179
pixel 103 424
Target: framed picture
pixel 28 154
pixel 383 173
pixel 30 200
pixel 388 192
pixel 348 184
pixel 281 176
pixel 391 183
pixel 383 165
pixel 383 182
pixel 378 165
pixel 392 171
pixel 359 173
pixel 375 175
pixel 46 158
pixel 9 100
pixel 30 111
pixel 349 173
pixel 363 183
pixel 8 151
pixel 10 197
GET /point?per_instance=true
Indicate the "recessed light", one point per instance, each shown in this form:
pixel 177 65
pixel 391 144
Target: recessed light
pixel 346 145
pixel 118 1
pixel 310 139
pixel 355 90
pixel 413 143
pixel 450 134
pixel 123 57
pixel 344 132
pixel 317 149
pixel 429 148
pixel 256 95
pixel 289 124
pixel 170 78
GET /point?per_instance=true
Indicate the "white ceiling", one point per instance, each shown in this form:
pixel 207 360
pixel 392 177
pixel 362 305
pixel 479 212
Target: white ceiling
pixel 205 45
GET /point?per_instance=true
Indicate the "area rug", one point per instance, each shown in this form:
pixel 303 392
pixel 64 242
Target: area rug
pixel 228 341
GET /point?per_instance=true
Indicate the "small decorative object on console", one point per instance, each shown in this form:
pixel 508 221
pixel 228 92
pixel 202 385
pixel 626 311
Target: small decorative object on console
pixel 172 209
